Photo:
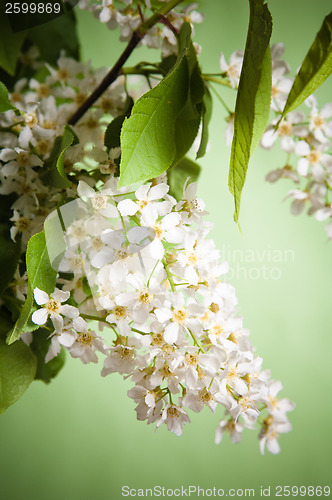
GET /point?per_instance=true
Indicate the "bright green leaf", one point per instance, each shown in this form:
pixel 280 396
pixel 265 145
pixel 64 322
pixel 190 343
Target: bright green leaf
pixel 39 346
pixel 147 137
pixel 263 101
pixel 253 99
pixel 207 114
pixel 17 370
pixel 316 67
pixel 41 275
pixel 5 103
pixel 178 175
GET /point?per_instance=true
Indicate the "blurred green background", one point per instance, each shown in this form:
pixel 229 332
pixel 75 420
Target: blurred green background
pixel 79 439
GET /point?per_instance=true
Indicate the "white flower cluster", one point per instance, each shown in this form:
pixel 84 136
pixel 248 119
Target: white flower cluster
pixel 305 137
pixel 144 268
pixel 128 17
pixel 28 139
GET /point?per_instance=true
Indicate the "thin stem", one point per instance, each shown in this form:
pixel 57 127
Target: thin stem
pixel 124 228
pixel 221 99
pixel 153 270
pixel 134 70
pixel 197 344
pixel 214 79
pixel 135 219
pixel 94 318
pixel 121 194
pixel 9 130
pixel 139 331
pixel 168 274
pixel 230 390
pixel 115 70
pixel 63 227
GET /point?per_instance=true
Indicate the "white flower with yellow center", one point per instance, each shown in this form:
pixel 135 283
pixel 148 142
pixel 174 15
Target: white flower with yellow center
pixel 101 201
pixel 52 306
pixel 269 434
pixel 174 417
pixel 233 69
pixel 179 317
pixel 320 123
pixel 147 203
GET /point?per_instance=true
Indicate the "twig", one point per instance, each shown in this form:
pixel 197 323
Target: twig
pixel 114 72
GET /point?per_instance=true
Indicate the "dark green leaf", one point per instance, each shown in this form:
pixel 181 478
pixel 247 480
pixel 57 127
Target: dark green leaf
pixel 207 114
pixel 40 345
pixel 69 138
pixel 147 137
pixel 50 174
pixel 10 252
pixel 10 44
pixel 6 322
pixel 316 67
pixel 252 104
pixel 17 370
pixel 41 275
pixel 113 131
pixel 188 121
pixel 54 173
pixel 53 37
pixel 167 64
pixel 178 175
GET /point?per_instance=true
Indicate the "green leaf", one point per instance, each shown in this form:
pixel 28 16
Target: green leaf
pixel 50 175
pixel 147 137
pixel 178 175
pixel 39 346
pixel 54 173
pixel 207 114
pixel 263 101
pixel 10 44
pixel 167 64
pixel 6 322
pixel 56 35
pixel 17 370
pixel 315 69
pixel 10 252
pixel 5 103
pixel 188 121
pixel 41 275
pixel 253 99
pixel 113 131
pixel 69 138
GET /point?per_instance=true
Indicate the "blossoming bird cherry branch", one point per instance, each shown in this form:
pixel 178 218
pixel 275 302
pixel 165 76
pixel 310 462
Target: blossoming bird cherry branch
pixel 114 72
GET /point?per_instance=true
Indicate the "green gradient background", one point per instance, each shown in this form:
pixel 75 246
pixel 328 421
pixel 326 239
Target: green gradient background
pixel 79 439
